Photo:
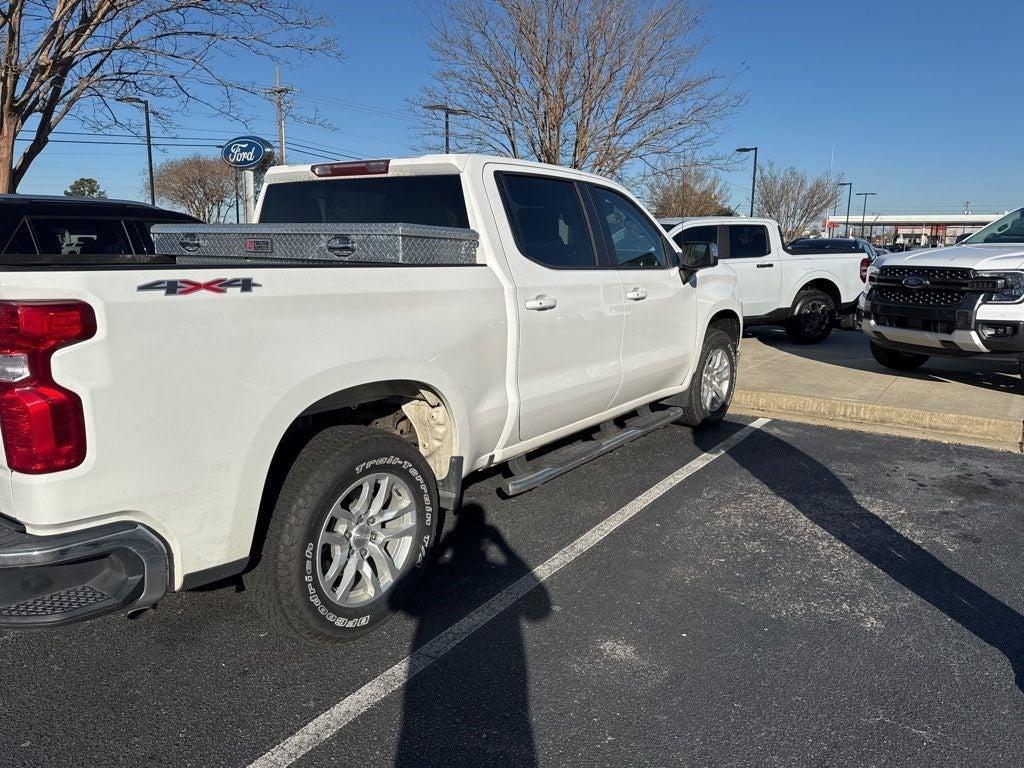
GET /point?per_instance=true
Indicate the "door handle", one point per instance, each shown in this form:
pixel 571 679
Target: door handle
pixel 765 266
pixel 540 303
pixel 637 294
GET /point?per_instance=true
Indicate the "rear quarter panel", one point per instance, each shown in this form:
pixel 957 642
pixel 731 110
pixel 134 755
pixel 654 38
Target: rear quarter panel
pixel 186 397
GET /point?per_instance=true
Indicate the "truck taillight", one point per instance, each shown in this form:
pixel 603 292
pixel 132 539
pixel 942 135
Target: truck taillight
pixel 359 168
pixel 43 424
pixel 864 264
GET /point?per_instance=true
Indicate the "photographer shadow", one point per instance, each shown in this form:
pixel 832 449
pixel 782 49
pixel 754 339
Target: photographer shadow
pixel 825 500
pixel 472 707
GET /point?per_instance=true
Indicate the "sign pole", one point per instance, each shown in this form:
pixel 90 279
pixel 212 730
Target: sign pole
pixel 249 183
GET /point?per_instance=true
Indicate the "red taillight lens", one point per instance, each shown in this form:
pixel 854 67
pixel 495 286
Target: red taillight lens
pixel 864 264
pixel 43 424
pixel 360 168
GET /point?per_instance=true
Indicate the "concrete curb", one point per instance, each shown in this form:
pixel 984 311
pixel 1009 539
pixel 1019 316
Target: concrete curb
pixel 1001 434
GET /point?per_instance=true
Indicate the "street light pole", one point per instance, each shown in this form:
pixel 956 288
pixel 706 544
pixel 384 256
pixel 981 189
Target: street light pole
pixel 753 178
pixel 448 112
pixel 149 142
pixel 849 192
pixel 864 212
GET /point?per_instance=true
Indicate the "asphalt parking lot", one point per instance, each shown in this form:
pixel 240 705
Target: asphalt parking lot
pixel 811 597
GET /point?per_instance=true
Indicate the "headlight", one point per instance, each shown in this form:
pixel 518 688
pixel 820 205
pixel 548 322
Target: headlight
pixel 1008 286
pixel 872 272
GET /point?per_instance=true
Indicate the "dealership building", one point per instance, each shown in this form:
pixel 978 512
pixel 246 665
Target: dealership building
pixel 912 229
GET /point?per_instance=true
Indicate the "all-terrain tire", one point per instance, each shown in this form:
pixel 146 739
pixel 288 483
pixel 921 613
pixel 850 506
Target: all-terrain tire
pixel 286 587
pixel 814 315
pixel 718 347
pixel 896 360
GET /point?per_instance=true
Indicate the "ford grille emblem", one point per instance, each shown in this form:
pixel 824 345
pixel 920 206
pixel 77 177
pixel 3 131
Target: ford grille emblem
pixel 914 282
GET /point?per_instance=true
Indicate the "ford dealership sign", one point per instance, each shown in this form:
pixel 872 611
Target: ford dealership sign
pixel 247 153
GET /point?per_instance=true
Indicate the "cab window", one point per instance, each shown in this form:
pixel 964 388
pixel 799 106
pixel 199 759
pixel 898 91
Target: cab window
pixel 19 241
pixel 748 241
pixel 636 242
pixel 547 220
pixel 81 237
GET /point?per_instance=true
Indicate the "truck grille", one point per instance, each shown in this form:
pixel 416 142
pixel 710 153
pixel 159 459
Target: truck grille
pixel 920 297
pixel 946 286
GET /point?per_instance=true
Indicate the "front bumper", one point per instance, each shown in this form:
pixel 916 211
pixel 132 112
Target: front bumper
pixel 958 331
pixel 47 581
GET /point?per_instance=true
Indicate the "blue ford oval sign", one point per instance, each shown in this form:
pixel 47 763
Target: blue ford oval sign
pixel 246 152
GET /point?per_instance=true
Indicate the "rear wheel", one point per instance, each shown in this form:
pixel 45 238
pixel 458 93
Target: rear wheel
pixel 714 380
pixel 352 525
pixel 896 360
pixel 814 314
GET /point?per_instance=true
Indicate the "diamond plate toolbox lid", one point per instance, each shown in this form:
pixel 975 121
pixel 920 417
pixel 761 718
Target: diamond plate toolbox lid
pixel 341 243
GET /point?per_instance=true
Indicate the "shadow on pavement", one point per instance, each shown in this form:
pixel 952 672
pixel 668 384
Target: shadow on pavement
pixel 823 499
pixel 471 708
pixel 849 349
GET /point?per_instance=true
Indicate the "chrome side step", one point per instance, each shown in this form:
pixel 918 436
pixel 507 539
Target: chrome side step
pixel 529 474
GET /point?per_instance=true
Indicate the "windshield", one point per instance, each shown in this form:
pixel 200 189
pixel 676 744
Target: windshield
pixel 1009 229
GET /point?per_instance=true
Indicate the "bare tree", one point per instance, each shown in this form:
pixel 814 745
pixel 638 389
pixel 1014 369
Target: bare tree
pixel 203 186
pixel 687 191
pixel 593 84
pixel 792 198
pixel 63 57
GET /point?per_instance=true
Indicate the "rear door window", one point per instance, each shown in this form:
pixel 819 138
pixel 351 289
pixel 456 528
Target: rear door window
pixel 547 220
pixel 81 237
pixel 433 200
pixel 748 241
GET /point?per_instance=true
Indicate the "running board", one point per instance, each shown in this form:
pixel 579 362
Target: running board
pixel 527 476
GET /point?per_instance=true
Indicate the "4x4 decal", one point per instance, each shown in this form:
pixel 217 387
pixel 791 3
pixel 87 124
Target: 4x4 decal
pixel 186 287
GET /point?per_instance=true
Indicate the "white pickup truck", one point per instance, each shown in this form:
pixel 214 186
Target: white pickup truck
pixel 962 301
pixel 806 290
pixel 306 418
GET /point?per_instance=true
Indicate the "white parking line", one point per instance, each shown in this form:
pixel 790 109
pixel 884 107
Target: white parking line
pixel 322 728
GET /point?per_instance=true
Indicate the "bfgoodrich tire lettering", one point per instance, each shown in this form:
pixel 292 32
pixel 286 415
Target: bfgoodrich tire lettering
pixel 351 529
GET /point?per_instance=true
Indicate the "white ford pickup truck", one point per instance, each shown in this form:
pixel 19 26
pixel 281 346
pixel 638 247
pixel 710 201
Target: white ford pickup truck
pixel 806 290
pixel 300 399
pixel 961 301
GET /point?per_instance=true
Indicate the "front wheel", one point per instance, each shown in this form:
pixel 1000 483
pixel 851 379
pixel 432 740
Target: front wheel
pixel 353 523
pixel 714 380
pixel 814 314
pixel 896 360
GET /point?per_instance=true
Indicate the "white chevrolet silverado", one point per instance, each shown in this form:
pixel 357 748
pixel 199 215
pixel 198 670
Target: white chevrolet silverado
pixel 300 399
pixel 805 289
pixel 961 301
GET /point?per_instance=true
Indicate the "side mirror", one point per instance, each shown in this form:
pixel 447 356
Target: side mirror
pixel 961 238
pixel 699 256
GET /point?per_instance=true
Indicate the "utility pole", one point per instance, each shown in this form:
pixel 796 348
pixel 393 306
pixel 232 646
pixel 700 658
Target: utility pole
pixel 448 112
pixel 144 103
pixel 279 92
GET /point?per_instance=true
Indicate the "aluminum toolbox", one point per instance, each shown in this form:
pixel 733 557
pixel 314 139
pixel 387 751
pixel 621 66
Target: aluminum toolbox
pixel 343 243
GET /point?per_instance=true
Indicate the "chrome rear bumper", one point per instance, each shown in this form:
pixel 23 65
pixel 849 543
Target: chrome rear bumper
pixel 47 581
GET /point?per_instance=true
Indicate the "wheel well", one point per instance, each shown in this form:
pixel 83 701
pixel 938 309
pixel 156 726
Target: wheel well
pixel 826 287
pixel 728 322
pixel 408 409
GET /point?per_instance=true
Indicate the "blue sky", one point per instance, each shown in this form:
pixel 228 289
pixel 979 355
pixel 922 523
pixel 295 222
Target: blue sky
pixel 922 101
